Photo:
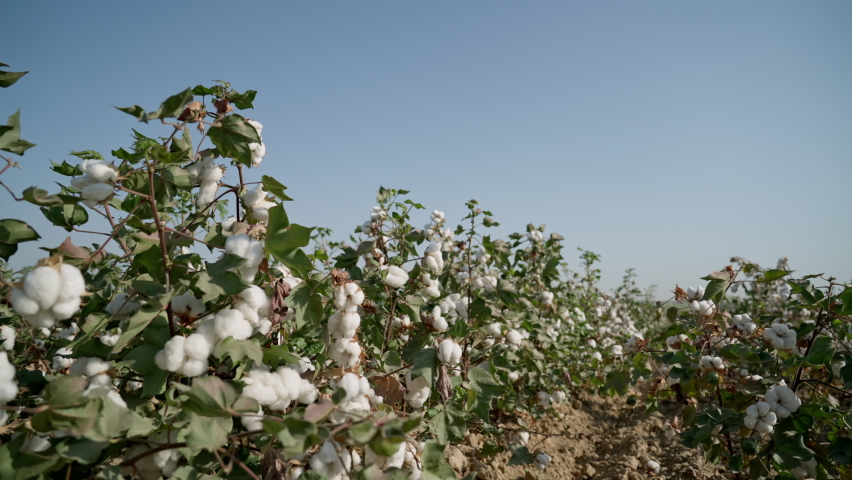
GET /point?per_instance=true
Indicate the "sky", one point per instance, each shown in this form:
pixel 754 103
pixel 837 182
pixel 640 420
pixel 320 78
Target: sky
pixel 665 136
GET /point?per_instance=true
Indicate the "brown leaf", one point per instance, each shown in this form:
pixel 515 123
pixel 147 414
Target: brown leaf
pixel 445 388
pixel 339 277
pixel 317 412
pixel 680 294
pixel 390 388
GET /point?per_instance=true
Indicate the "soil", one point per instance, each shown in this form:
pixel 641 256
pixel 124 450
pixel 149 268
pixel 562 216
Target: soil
pixel 591 437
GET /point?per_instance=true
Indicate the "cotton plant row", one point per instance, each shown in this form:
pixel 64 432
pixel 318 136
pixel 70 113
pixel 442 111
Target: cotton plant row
pixel 323 357
pixel 759 370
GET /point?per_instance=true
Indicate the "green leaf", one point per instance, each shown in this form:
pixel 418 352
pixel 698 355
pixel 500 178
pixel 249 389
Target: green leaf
pixel 279 355
pixel 424 363
pixel 10 135
pixel 7 79
pixel 486 388
pixel 38 196
pixel 84 450
pixel 240 349
pixel 206 433
pixel 618 381
pixel 232 138
pixel 186 472
pixel 449 424
pixel 136 323
pixel 7 250
pixel 840 450
pixel 435 466
pixel 822 351
pixel 295 236
pixel 671 314
pixel 296 260
pixel 210 396
pixel 308 307
pixel 173 106
pixel 771 275
pixel 67 216
pixel 135 111
pixel 275 187
pixel 16 231
pixel 220 278
pixel 520 455
pixel 243 100
pixel 141 359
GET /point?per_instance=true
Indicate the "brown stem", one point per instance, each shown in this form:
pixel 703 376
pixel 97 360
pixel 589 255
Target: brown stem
pixel 115 230
pixel 112 224
pixel 163 249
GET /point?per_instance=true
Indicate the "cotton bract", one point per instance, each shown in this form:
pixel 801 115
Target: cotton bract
pixel 49 294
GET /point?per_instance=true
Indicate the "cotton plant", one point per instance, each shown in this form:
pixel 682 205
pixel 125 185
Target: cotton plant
pixel 255 201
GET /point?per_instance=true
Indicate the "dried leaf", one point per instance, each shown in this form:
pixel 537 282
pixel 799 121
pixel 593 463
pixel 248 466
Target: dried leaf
pixel 445 388
pixel 390 388
pixel 273 466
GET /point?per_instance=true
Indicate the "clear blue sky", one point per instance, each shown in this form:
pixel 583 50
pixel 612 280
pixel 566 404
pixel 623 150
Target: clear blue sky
pixel 666 136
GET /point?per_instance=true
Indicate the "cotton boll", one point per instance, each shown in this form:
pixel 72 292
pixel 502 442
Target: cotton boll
pixel 343 325
pixel 171 357
pixel 62 359
pixel 694 293
pixel 545 298
pixel 231 323
pixel 8 384
pixel 782 400
pixel 396 277
pixel 394 461
pixel 344 352
pixel 89 366
pixel 187 304
pixel 745 324
pixel 121 306
pixel 99 170
pixel 109 340
pixel 418 391
pixel 494 329
pixel 83 181
pixel 513 337
pixel 350 383
pixel 43 285
pixel 68 333
pixel 96 193
pixel 542 461
pixel 7 338
pixel 652 467
pixel 433 258
pixel 22 303
pixel 449 352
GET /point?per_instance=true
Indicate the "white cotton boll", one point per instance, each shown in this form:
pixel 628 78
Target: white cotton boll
pixel 206 194
pixel 559 396
pixel 253 422
pixel 68 333
pixel 488 343
pixel 703 308
pixel 73 283
pixel 89 366
pixel 256 298
pixel 351 384
pixel 709 363
pixel 394 461
pixel 760 418
pixel 260 211
pixel 7 338
pixel 65 310
pixel 22 303
pixel 343 325
pixel 592 343
pixel 261 386
pixel 782 400
pixel 376 214
pixel 258 151
pixel 193 367
pixel 544 398
pixel 449 352
pixel 597 356
pixel 110 340
pixel 744 323
pixel 43 285
pixel 99 170
pixel 96 193
pixel 8 384
pixel 514 376
pixel 675 342
pixel 535 236
pixel 36 444
pixel 396 277
pixel 652 466
pixel 83 181
pixel 197 347
pixel 227 224
pixel 494 329
pixel 694 293
pixel 231 323
pixel 433 258
pixel 121 306
pixel 187 304
pixel 513 337
pixel 171 357
pixel 545 298
pixel 617 350
pixel 418 391
pixel 62 359
pixel 212 175
pixel 344 352
pixel 542 461
pixel 440 324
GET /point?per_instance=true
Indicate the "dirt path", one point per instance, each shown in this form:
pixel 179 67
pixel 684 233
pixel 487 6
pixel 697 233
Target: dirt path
pixel 605 439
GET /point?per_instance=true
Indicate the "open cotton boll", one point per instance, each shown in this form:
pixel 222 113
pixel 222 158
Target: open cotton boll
pixel 535 236
pixel 652 466
pixel 494 329
pixel 348 297
pixel 187 304
pixel 780 336
pixel 760 417
pixel 83 181
pixel 109 339
pixel 782 400
pixel 709 363
pixel 96 193
pixel 251 250
pixel 43 285
pixel 401 322
pixel 449 352
pixel 7 338
pixel 418 390
pixel 231 323
pixel 256 299
pixel 185 355
pixel 542 461
pixel 513 337
pixel 543 398
pixel 396 277
pixel 704 308
pixel 694 293
pixel 89 366
pixel 430 286
pixel 343 325
pixel 433 259
pixel 332 460
pixel 744 323
pixel 121 306
pixel 62 359
pixel 8 383
pixel 351 385
pixel 675 342
pixel 345 352
pixel 99 170
pixel 68 333
pixel 545 298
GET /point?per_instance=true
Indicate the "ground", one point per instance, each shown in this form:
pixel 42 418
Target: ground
pixel 603 438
